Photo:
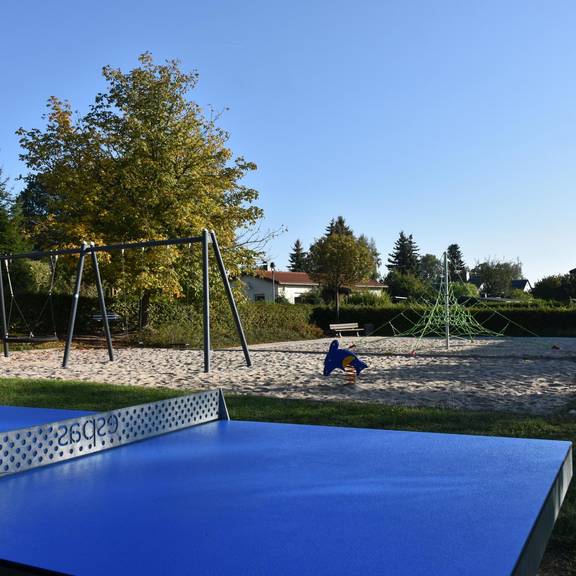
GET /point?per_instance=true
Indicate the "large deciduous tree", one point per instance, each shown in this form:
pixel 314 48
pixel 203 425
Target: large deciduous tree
pixel 408 286
pixel 338 261
pixel 561 287
pixel 376 259
pixel 11 238
pixel 496 275
pixel 429 268
pixel 145 162
pixel 25 275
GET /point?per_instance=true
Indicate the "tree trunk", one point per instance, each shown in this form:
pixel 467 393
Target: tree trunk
pixel 337 304
pixel 144 310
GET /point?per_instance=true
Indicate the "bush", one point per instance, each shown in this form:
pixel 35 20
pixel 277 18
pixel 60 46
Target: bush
pixel 37 314
pixel 180 325
pixel 313 296
pixel 378 316
pixel 520 295
pixel 408 286
pixel 368 299
pixel 464 289
pixel 511 320
pixel 518 321
pixel 177 324
pixel 173 323
pixel 561 288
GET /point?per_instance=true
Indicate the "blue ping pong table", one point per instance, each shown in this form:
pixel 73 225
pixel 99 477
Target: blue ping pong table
pixel 216 496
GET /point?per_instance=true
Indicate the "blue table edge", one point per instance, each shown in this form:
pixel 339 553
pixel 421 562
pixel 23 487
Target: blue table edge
pixel 533 551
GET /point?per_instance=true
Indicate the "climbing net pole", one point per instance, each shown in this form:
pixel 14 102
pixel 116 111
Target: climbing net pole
pixel 447 301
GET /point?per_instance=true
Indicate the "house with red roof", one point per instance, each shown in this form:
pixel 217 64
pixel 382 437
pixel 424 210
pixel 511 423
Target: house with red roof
pixel 269 285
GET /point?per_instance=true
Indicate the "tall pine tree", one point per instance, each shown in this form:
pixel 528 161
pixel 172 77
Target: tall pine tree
pixel 456 265
pixel 404 257
pixel 297 258
pixel 339 226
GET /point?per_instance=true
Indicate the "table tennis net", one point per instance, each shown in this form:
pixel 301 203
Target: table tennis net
pixel 46 444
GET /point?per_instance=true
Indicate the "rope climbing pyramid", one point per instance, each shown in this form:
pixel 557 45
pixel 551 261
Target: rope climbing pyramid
pixel 445 317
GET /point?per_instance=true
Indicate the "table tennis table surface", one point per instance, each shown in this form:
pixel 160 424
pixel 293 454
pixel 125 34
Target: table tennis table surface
pixel 235 497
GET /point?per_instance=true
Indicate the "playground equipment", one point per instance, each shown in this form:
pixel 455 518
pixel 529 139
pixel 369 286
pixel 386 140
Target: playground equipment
pixel 92 251
pixel 445 318
pixel 345 360
pixel 31 327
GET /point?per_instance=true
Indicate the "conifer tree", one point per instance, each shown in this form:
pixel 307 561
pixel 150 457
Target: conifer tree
pixel 404 257
pixel 456 265
pixel 297 258
pixel 339 226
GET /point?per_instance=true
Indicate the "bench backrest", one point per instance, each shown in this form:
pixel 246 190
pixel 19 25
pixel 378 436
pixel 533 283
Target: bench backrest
pixel 349 326
pixel 109 315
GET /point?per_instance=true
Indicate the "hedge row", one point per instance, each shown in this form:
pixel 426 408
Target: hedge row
pixel 513 321
pixel 36 313
pixel 182 325
pixel 176 323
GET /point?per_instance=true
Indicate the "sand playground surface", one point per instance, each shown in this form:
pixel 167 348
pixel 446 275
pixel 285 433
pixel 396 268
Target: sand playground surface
pixel 529 375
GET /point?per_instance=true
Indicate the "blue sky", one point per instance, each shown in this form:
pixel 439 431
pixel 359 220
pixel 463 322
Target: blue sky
pixel 454 121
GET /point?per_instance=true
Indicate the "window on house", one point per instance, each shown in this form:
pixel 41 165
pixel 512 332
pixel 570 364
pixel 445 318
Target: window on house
pixel 259 297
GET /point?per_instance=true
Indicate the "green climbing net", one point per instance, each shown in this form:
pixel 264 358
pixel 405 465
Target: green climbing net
pixel 444 317
pixel 445 311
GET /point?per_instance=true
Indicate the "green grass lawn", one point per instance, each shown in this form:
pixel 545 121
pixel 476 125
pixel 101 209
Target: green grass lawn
pixel 561 553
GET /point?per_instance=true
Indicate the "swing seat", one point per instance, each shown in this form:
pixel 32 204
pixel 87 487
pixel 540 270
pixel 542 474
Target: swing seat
pixel 31 339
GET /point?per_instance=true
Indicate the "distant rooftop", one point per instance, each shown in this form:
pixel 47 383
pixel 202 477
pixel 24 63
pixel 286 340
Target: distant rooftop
pixel 302 279
pixel 521 284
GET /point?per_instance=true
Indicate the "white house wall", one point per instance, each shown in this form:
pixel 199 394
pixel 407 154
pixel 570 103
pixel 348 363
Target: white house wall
pixel 256 288
pixel 293 292
pixel 261 289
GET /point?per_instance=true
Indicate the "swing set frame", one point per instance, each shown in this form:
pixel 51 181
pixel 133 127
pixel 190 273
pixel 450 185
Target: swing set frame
pixel 92 250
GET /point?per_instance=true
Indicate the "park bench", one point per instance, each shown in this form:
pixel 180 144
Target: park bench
pixel 346 327
pixel 112 317
pixel 115 321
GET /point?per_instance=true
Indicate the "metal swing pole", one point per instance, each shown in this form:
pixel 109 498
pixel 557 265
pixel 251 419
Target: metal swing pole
pixel 447 301
pixel 231 300
pixel 3 313
pixel 74 309
pixel 102 302
pixel 206 291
